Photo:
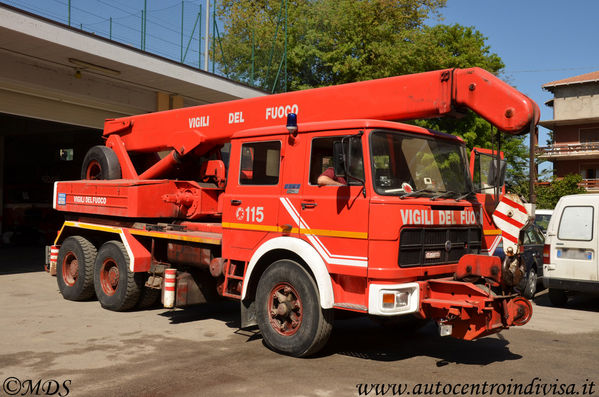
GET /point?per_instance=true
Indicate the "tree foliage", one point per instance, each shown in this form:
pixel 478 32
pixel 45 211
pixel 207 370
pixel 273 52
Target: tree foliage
pixel 340 41
pixel 328 41
pixel 548 196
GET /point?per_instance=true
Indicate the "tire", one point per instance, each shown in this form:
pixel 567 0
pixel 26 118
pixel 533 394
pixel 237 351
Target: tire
pixel 75 269
pixel 301 327
pixel 530 288
pixel 117 287
pixel 100 162
pixel 148 297
pixel 557 297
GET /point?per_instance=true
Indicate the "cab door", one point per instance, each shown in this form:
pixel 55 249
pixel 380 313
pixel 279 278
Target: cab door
pixel 334 218
pixel 251 200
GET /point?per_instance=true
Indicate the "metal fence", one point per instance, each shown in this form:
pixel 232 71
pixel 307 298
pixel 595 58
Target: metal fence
pixel 186 31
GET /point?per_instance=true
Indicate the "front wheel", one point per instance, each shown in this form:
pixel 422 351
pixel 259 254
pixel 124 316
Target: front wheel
pixel 288 310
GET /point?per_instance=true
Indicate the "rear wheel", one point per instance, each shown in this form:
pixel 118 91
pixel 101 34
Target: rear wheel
pixel 117 287
pixel 288 310
pixel 530 288
pixel 148 297
pixel 557 297
pixel 75 268
pixel 100 162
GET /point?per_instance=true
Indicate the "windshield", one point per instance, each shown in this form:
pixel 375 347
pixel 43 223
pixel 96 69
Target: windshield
pixel 542 221
pixel 410 165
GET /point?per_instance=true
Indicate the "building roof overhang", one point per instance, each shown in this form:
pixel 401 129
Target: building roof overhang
pixel 57 45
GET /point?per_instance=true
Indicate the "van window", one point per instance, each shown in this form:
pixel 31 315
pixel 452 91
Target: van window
pixel 576 223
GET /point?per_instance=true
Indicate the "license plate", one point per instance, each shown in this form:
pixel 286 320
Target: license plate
pixel 432 254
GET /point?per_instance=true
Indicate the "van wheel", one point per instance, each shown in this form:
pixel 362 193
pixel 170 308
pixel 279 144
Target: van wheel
pixel 100 163
pixel 75 269
pixel 530 288
pixel 288 310
pixel 558 297
pixel 117 287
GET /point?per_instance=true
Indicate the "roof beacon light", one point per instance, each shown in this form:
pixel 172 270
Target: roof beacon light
pixel 292 123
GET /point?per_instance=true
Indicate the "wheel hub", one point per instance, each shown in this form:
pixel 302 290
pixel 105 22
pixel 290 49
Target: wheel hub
pixel 70 269
pixel 113 276
pixel 94 170
pixel 285 308
pixel 109 277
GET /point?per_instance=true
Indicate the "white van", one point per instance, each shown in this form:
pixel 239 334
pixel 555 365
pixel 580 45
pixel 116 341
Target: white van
pixel 572 248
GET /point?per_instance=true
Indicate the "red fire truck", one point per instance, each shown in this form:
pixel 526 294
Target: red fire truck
pixel 224 200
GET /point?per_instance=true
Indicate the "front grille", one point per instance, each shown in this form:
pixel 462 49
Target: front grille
pixel 414 243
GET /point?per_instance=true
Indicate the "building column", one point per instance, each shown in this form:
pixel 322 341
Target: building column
pixel 1 181
pixel 165 101
pixel 176 102
pixel 162 101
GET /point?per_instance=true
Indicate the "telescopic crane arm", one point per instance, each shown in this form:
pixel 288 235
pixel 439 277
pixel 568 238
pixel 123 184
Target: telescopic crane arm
pixel 423 95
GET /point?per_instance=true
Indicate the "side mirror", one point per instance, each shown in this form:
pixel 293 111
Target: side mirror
pixel 495 174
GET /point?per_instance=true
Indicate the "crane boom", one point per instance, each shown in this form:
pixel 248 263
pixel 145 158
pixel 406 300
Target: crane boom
pixel 422 95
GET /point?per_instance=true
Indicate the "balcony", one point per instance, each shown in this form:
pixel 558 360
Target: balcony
pixel 569 151
pixel 591 185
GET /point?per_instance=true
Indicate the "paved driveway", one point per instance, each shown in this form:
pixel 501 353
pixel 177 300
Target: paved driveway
pixel 83 350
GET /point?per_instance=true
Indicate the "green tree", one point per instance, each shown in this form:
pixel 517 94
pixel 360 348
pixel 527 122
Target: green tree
pixel 456 46
pixel 328 41
pixel 548 196
pixel 340 41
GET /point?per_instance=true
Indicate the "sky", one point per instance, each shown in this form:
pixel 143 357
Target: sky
pixel 538 40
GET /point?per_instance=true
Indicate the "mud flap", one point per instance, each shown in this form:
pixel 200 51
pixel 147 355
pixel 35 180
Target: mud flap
pixel 248 314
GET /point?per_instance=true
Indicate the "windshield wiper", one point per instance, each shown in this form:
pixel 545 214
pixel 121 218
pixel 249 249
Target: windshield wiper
pixel 465 195
pixel 448 193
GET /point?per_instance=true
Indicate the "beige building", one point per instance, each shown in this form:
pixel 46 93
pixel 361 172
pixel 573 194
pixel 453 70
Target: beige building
pixel 575 126
pixel 57 85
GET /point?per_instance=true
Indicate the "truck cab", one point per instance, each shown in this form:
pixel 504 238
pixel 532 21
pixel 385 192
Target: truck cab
pixel 404 214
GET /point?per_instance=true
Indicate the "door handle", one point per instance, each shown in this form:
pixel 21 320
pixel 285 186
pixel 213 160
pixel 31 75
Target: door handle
pixel 308 205
pixel 235 202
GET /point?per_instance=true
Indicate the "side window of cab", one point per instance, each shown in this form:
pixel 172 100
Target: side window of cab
pixel 260 163
pixel 322 164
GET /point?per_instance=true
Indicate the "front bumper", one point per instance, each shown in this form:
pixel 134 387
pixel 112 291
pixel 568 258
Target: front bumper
pixel 463 309
pixel 586 286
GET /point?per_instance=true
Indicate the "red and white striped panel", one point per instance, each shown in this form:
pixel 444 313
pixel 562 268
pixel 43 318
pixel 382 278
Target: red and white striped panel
pixel 168 292
pixel 510 216
pixel 54 254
